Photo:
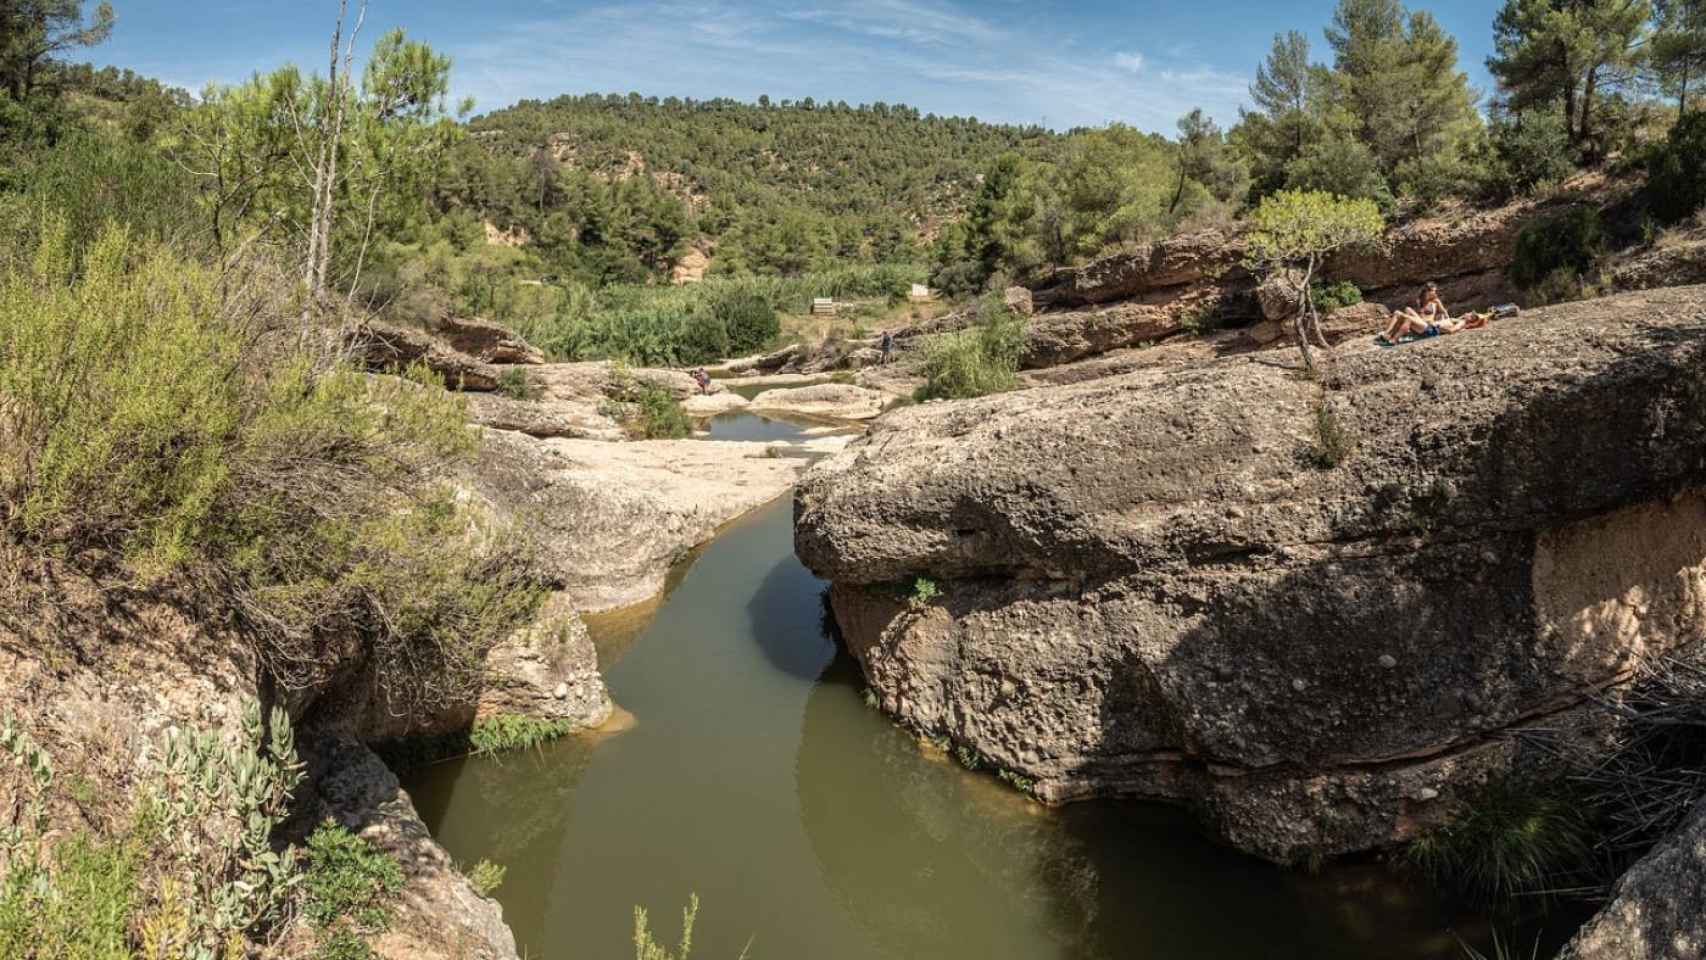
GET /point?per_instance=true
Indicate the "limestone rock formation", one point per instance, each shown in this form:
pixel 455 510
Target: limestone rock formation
pixel 599 380
pixel 548 671
pixel 1658 911
pixel 1177 262
pixel 584 419
pixel 385 348
pixel 610 519
pixel 715 404
pixel 488 342
pixel 834 401
pixel 1153 585
pixel 1052 339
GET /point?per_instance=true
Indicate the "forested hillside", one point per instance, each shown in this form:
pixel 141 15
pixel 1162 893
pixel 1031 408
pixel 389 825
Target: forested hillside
pixel 769 187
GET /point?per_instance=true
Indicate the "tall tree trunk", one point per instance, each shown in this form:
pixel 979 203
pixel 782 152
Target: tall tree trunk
pixel 1587 111
pixel 1304 309
pixel 1569 96
pixel 1682 95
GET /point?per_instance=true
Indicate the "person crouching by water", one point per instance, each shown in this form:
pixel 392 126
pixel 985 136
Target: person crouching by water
pixel 703 379
pixel 888 347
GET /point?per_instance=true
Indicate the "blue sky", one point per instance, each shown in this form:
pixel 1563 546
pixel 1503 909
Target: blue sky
pixel 1060 63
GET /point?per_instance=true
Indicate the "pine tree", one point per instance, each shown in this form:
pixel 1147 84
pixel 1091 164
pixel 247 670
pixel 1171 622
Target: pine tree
pixel 33 31
pixel 1679 47
pixel 1568 54
pixel 1397 77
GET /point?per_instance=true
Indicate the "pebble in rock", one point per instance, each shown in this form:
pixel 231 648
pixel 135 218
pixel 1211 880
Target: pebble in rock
pixel 562 691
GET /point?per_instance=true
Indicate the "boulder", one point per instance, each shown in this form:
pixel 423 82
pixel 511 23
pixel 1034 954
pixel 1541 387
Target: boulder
pixel 384 348
pixel 705 406
pixel 834 401
pixel 1018 300
pixel 1281 296
pixel 1658 910
pixel 548 671
pixel 1057 338
pixel 488 342
pixel 1153 584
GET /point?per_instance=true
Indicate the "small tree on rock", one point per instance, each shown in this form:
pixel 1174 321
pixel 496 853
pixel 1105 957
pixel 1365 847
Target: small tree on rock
pixel 1298 230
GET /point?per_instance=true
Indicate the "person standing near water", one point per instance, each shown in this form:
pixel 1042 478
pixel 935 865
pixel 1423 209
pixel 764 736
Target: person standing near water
pixel 888 346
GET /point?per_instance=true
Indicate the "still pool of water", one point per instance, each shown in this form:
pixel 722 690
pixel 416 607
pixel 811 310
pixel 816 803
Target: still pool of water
pixel 811 827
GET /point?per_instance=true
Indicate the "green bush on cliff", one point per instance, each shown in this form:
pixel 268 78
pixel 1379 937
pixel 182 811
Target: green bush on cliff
pixel 160 425
pixel 507 731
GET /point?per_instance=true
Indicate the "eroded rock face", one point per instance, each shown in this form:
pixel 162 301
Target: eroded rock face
pixel 1176 262
pixel 1148 588
pixel 437 915
pixel 488 342
pixel 584 419
pixel 384 348
pixel 1053 339
pixel 548 670
pixel 1658 911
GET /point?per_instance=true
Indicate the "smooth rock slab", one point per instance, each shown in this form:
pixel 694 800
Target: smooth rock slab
pixel 835 401
pixel 610 519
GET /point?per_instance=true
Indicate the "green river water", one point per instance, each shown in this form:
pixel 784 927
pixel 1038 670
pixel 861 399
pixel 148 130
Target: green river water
pixel 811 827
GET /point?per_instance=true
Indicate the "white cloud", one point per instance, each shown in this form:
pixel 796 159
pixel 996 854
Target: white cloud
pixel 1129 62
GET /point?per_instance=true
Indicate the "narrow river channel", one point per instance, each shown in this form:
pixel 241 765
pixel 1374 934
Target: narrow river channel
pixel 811 827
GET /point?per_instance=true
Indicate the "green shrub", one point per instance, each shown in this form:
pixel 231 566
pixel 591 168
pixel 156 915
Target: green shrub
pixel 975 362
pixel 703 339
pixel 1334 296
pixel 192 872
pixel 486 877
pixel 924 590
pixel 1572 240
pixel 515 384
pixel 750 320
pixel 509 731
pixel 646 948
pixel 79 910
pixel 1512 840
pixel 159 425
pixel 660 416
pixel 347 879
pixel 1333 443
pixel 343 943
pixel 1676 171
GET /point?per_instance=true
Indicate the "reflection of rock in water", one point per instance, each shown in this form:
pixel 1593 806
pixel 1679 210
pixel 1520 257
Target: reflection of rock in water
pixel 614 631
pixel 525 804
pixel 898 837
pixel 934 862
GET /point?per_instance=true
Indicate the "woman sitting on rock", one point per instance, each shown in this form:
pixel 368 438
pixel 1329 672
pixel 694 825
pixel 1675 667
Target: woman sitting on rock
pixel 1428 318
